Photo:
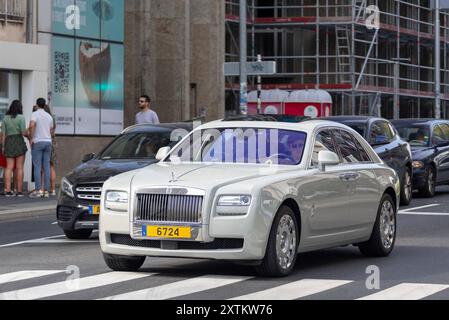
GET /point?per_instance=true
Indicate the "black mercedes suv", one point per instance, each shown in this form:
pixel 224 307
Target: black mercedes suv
pixel 79 201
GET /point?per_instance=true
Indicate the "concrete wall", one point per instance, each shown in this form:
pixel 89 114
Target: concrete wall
pixel 13 32
pixel 174 52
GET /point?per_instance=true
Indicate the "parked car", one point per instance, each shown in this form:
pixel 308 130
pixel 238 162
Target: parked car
pixel 257 192
pixel 429 139
pixel 136 147
pixel 388 144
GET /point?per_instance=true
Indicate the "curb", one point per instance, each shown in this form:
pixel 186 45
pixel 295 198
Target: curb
pixel 28 212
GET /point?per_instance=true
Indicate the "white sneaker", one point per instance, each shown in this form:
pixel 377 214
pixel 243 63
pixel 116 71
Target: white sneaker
pixel 46 194
pixel 36 194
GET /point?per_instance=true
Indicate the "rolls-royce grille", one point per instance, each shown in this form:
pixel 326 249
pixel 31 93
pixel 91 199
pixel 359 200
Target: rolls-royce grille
pixel 169 208
pixel 89 192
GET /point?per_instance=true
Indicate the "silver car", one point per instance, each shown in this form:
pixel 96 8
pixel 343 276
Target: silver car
pixel 252 192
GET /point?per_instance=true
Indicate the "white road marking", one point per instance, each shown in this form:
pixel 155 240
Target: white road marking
pixel 56 241
pixel 180 288
pixel 407 291
pixel 425 214
pixel 68 286
pixel 419 208
pixel 54 223
pixel 29 241
pixel 294 290
pixel 26 275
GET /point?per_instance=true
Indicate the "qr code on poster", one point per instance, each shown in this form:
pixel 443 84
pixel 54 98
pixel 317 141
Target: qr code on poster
pixel 62 72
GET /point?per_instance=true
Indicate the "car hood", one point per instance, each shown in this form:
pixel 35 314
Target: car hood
pixel 422 153
pixel 101 170
pixel 201 176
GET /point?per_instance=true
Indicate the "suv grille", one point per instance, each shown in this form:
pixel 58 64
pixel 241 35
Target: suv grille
pixel 169 208
pixel 89 191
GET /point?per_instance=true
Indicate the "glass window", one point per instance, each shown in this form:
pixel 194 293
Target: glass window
pixel 323 142
pixel 347 146
pixel 438 135
pixel 445 128
pixel 242 145
pixel 381 132
pixel 360 128
pixel 364 156
pixel 143 145
pixel 417 136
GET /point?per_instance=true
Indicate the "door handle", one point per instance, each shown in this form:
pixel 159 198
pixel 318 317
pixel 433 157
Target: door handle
pixel 343 177
pixel 352 176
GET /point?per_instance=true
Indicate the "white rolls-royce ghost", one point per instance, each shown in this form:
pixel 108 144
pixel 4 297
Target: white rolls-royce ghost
pixel 253 192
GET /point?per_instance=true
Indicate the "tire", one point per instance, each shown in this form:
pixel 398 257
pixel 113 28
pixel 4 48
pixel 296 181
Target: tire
pixel 406 188
pixel 428 190
pixel 82 234
pixel 379 245
pixel 123 263
pixel 286 223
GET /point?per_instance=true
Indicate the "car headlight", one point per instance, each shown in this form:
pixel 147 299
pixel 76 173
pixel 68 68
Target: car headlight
pixel 418 164
pixel 67 188
pixel 233 205
pixel 117 201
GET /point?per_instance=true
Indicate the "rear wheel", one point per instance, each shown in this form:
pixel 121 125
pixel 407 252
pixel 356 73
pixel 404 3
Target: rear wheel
pixel 78 234
pixel 428 190
pixel 282 247
pixel 123 263
pixel 407 188
pixel 383 237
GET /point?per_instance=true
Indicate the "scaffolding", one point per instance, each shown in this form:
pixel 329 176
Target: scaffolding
pixel 326 44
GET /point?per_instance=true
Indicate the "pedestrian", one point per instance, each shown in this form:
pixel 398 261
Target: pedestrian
pixel 41 132
pixel 146 115
pixel 14 147
pixel 53 156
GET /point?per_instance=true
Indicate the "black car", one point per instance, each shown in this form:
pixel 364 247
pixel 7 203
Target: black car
pixel 136 147
pixel 429 139
pixel 388 144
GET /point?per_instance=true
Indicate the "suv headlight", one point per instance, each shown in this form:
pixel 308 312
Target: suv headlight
pixel 117 201
pixel 233 205
pixel 418 164
pixel 67 188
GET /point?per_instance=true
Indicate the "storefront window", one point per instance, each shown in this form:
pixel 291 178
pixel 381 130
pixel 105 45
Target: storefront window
pixel 9 90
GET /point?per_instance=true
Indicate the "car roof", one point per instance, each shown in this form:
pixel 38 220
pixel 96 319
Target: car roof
pixel 354 119
pixel 307 126
pixel 164 127
pixel 418 121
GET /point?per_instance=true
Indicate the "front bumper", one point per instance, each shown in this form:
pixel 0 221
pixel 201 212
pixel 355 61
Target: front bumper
pixel 73 214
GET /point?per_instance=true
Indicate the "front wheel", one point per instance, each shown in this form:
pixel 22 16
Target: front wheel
pixel 282 247
pixel 428 190
pixel 383 237
pixel 82 234
pixel 407 188
pixel 123 263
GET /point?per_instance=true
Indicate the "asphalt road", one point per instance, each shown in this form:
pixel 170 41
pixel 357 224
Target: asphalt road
pixel 36 262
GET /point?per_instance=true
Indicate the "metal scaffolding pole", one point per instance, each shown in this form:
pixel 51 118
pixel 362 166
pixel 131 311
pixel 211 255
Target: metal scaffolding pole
pixel 243 59
pixel 437 61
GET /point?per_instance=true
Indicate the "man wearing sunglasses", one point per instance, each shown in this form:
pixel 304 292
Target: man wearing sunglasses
pixel 146 115
pixel 295 147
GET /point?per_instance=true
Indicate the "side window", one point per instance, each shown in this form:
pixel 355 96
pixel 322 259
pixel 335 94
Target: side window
pixel 438 135
pixel 347 146
pixel 445 128
pixel 323 142
pixel 364 156
pixel 381 132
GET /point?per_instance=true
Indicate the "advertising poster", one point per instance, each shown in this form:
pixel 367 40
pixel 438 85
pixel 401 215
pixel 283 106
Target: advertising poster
pixel 112 20
pixel 90 13
pixel 112 92
pixel 63 84
pixel 93 65
pixel 65 17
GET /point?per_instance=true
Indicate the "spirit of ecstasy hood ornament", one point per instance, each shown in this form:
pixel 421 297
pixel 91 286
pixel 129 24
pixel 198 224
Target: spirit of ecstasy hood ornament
pixel 173 177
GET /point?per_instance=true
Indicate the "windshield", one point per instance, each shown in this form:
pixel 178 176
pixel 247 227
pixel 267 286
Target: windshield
pixel 417 136
pixel 242 145
pixel 139 145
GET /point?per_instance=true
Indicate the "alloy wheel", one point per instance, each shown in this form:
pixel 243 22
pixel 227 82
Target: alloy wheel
pixel 286 242
pixel 387 224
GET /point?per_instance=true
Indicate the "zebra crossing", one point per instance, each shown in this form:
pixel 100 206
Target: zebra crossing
pixel 151 286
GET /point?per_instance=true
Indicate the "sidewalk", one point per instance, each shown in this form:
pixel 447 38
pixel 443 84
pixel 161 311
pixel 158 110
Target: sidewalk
pixel 12 208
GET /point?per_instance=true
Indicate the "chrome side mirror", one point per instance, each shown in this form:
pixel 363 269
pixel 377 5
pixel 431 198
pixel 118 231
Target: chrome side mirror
pixel 162 153
pixel 327 158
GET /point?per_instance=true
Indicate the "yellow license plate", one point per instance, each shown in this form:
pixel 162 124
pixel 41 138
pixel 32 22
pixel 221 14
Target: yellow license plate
pixel 167 232
pixel 94 210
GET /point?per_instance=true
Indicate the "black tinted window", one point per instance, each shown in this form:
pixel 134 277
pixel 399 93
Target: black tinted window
pixel 142 145
pixel 445 128
pixel 360 128
pixel 323 142
pixel 348 147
